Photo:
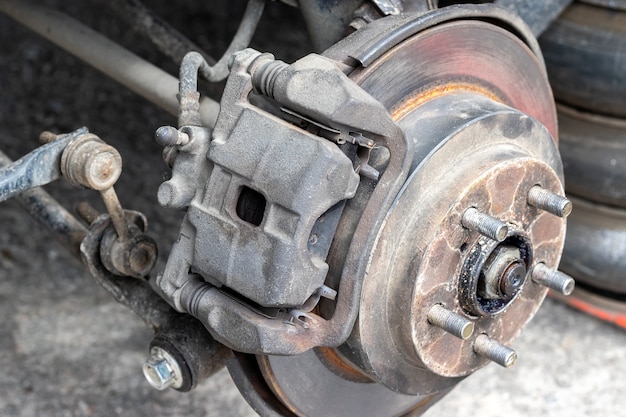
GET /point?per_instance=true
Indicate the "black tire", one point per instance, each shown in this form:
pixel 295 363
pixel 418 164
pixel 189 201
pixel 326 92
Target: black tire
pixel 595 246
pixel 593 149
pixel 585 52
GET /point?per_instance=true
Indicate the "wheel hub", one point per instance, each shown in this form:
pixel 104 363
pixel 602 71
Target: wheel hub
pixel 450 279
pixel 436 258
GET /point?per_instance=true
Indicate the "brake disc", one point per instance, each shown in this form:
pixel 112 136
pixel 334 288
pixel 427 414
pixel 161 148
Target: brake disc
pixel 476 101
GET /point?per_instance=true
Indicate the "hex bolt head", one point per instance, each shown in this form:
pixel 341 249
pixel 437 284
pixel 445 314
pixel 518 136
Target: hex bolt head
pixel 553 279
pixel 453 323
pixel 161 370
pixel 485 224
pixel 494 351
pixel 548 201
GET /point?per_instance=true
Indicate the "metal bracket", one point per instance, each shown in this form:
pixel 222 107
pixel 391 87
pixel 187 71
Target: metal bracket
pixel 39 167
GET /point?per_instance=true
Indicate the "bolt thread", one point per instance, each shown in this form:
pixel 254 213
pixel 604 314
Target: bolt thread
pixel 494 351
pixel 553 279
pixel 451 322
pixel 485 224
pixel 550 202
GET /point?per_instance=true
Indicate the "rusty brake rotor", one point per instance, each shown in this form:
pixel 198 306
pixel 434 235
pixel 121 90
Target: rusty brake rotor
pixel 462 240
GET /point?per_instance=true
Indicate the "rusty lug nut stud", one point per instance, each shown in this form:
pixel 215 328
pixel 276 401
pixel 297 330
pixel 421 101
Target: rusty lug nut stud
pixel 494 351
pixel 451 322
pixel 553 279
pixel 485 224
pixel 548 201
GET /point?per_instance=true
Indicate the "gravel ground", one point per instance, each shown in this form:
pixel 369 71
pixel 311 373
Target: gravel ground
pixel 66 349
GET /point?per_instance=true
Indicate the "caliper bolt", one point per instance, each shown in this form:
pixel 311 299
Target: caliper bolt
pixel 161 370
pixel 451 322
pixel 494 351
pixel 485 224
pixel 553 279
pixel 548 201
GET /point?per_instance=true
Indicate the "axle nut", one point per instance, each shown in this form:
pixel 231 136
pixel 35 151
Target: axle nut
pixel 503 274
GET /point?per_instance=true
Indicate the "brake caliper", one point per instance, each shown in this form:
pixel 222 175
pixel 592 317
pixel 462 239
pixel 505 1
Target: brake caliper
pixel 264 204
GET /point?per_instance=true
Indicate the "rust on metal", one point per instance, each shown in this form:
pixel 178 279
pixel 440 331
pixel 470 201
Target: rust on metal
pixel 418 98
pixel 437 350
pixel 448 54
pixel 114 208
pixel 339 365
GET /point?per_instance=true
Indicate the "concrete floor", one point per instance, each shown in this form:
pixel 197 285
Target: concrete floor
pixel 66 349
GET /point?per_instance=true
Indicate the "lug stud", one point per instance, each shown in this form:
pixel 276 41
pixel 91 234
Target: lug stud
pixel 556 280
pixel 485 224
pixel 548 201
pixel 494 351
pixel 451 322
